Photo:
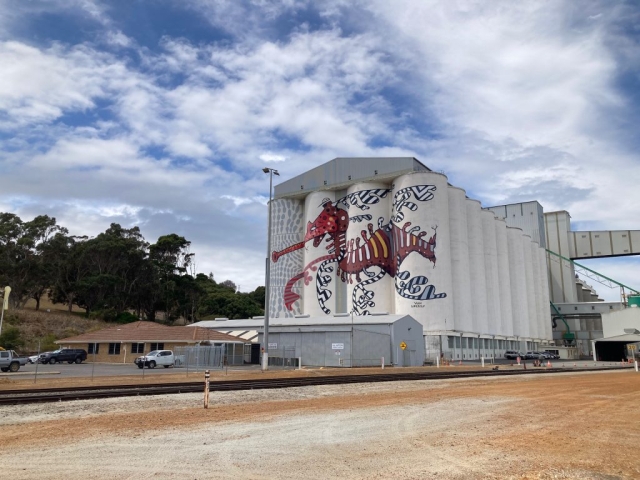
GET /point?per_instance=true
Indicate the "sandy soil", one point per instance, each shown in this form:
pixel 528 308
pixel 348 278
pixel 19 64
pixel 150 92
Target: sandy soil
pixel 550 427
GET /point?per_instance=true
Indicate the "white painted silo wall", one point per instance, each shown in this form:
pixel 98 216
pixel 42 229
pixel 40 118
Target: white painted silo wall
pixel 476 267
pixel 518 281
pixel 287 229
pixel 535 261
pixel 317 296
pixel 460 269
pixel 377 296
pixel 533 287
pixel 531 325
pixel 491 272
pixel 504 278
pixel 548 329
pixel 423 289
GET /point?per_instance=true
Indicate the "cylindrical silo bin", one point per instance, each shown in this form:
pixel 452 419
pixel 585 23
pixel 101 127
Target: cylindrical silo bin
pixel 287 263
pixel 368 255
pixel 535 263
pixel 518 281
pixel 421 244
pixel 476 267
pixel 548 328
pixel 494 315
pixel 462 307
pixel 504 279
pixel 531 326
pixel 320 256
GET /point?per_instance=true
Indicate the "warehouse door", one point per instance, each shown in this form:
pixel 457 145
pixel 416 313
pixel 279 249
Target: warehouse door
pixel 369 347
pixel 312 349
pixel 337 349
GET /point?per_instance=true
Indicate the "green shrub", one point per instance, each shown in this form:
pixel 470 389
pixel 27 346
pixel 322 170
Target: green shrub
pixel 10 339
pixel 47 343
pixel 126 317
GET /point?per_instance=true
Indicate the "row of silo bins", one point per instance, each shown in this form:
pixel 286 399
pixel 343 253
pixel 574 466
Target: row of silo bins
pixel 450 264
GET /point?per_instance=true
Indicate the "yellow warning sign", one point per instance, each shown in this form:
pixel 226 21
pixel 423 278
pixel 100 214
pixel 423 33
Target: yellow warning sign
pixel 403 345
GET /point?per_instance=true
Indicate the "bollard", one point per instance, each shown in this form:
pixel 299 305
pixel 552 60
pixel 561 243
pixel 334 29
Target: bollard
pixel 299 363
pixel 382 362
pixel 437 362
pixel 482 358
pixel 206 389
pixel 636 362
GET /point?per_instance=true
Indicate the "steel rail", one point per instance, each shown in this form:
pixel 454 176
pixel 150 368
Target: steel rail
pixel 12 397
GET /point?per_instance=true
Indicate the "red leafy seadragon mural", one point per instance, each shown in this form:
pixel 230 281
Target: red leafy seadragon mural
pixel 384 247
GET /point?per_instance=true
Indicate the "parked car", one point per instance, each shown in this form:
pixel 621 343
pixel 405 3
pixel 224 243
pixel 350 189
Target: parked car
pixel 44 356
pixel 552 356
pixel 69 355
pixel 33 358
pixel 10 361
pixel 512 354
pixel 156 357
pixel 533 355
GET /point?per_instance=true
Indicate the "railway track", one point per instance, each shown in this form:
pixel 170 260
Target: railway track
pixel 43 395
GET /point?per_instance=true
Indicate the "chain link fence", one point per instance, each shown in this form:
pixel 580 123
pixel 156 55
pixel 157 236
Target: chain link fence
pixel 199 357
pixel 284 357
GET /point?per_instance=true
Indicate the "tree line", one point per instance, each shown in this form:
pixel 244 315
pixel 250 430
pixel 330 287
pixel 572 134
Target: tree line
pixel 117 275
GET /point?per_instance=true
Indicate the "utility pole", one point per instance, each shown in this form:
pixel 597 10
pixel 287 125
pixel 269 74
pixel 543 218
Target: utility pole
pixel 5 305
pixel 267 285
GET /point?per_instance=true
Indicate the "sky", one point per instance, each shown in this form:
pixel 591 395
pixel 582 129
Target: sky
pixel 163 113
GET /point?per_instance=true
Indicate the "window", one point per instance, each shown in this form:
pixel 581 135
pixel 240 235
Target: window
pixel 114 349
pixel 450 341
pixel 157 346
pixel 90 348
pixel 4 354
pixel 137 348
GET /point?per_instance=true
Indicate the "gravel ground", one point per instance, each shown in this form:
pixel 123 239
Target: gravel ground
pixel 561 426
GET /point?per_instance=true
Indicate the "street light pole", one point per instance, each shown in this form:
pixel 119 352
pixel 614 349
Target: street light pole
pixel 267 284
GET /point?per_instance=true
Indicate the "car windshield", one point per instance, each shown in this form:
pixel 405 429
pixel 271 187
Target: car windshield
pixel 152 354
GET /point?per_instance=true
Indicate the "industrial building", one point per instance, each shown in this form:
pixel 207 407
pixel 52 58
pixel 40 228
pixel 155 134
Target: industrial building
pixel 340 340
pixel 367 236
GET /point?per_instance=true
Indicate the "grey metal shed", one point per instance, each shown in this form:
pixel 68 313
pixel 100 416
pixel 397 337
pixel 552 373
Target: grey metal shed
pixel 338 341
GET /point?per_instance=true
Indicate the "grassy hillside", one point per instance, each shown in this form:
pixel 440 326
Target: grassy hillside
pixel 46 327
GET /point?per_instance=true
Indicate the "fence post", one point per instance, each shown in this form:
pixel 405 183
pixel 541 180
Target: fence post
pixel 206 389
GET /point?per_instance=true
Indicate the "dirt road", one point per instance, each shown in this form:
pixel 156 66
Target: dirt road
pixel 561 426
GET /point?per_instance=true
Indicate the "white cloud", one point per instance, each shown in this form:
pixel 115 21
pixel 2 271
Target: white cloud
pixel 271 157
pixel 41 85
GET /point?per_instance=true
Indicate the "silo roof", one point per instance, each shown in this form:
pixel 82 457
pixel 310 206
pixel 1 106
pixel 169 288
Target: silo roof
pixel 342 172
